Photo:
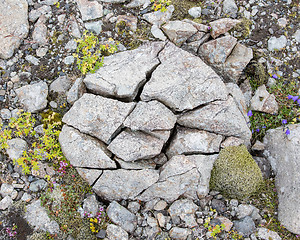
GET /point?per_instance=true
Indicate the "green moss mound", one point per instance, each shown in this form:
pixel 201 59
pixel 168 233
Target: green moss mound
pixel 235 173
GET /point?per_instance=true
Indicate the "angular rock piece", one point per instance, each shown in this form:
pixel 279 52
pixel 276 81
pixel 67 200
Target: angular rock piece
pixel 33 97
pixel 183 81
pixel 217 51
pixel 89 175
pixel 90 9
pixel 263 101
pixel 193 141
pixel 97 116
pixel 283 153
pixel 215 118
pixel 222 26
pixel 14 25
pixel 76 91
pixel 115 232
pixel 131 146
pixel 158 18
pixel 16 147
pixel 177 233
pixel 39 34
pixel 178 31
pixel 124 184
pixel 186 176
pixel 150 116
pixel 83 150
pixel 116 77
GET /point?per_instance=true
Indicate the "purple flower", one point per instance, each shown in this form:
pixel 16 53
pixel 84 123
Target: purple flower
pixel 275 76
pixel 284 121
pixel 294 98
pixel 249 114
pixel 208 28
pixel 263 126
pixel 287 132
pixel 298 101
pixel 257 130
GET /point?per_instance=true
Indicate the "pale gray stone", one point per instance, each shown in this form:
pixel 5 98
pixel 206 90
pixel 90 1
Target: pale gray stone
pixel 130 21
pixel 6 114
pixel 41 51
pixel 131 146
pixel 14 25
pixel 96 27
pixel 230 8
pixel 277 43
pixel 90 10
pixel 244 210
pixel 214 118
pixel 93 115
pixel 134 207
pixel 183 81
pixel 115 78
pixel 115 232
pixel 60 85
pixel 177 233
pixel 222 26
pixel 157 33
pixel 69 60
pixel 76 91
pixel 178 31
pixel 245 226
pixel 36 13
pixel 258 146
pixel 282 151
pixel 89 175
pixel 200 27
pixel 296 36
pixel 40 31
pixel 83 150
pixel 32 60
pixel 16 147
pixel 141 164
pixel 6 189
pixel 124 184
pixel 161 219
pixel 5 203
pixel 158 18
pixel 91 205
pixel 138 3
pixel 33 97
pixel 193 141
pixel 38 185
pixel 71 45
pixel 113 1
pixel 195 12
pixel 160 205
pixel 232 141
pixel 263 101
pixel 266 234
pixel 121 216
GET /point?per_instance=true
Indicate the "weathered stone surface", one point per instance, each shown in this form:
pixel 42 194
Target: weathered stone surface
pixel 137 165
pixel 33 97
pixel 130 21
pixel 158 18
pixel 39 34
pixel 13 26
pixel 245 226
pixel 121 216
pixel 232 141
pixel 124 184
pixel 76 91
pixel 195 12
pixel 178 31
pixel 266 234
pixel 217 51
pixel 177 233
pixel 200 27
pixel 138 3
pixel 150 116
pixel 277 43
pixel 91 205
pixel 38 185
pixel 60 85
pixel 16 147
pixel 83 150
pixel 183 81
pixel 283 153
pixel 89 175
pixel 90 9
pixel 222 26
pixel 6 202
pixel 186 176
pixel 193 141
pixel 115 232
pixel 157 33
pixel 263 101
pixel 113 1
pixel 131 146
pixel 97 116
pixel 6 189
pixel 230 8
pixel 214 118
pixel 115 78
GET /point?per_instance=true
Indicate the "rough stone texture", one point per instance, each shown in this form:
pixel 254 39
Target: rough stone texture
pixel 245 226
pixel 137 165
pixel 121 216
pixel 186 176
pixel 157 33
pixel 97 116
pixel 138 3
pixel 39 34
pixel 263 101
pixel 214 118
pixel 14 25
pixel 37 216
pixel 38 185
pixel 217 51
pixel 193 141
pixel 124 184
pixel 16 147
pixel 6 189
pixel 5 203
pixel 200 27
pixel 183 81
pixel 76 91
pixel 266 234
pixel 60 85
pixel 230 8
pixel 195 12
pixel 178 31
pixel 115 78
pixel 179 233
pixel 283 153
pixel 158 18
pixel 91 205
pixel 115 232
pixel 131 146
pixel 33 97
pixel 277 43
pixel 83 150
pixel 222 26
pixel 89 175
pixel 90 9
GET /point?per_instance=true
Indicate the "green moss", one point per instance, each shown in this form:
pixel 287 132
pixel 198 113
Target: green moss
pixel 50 117
pixel 38 236
pixel 257 74
pixel 244 28
pixel 235 173
pixel 182 7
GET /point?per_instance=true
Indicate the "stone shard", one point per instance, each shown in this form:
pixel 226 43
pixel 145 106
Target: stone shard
pixel 222 26
pixel 89 175
pixel 263 101
pixel 183 81
pixel 116 77
pixel 131 146
pixel 178 31
pixel 98 116
pixel 193 141
pixel 124 184
pixel 158 18
pixel 14 25
pixel 16 147
pixel 215 117
pixel 283 152
pixel 90 9
pixel 83 150
pixel 186 176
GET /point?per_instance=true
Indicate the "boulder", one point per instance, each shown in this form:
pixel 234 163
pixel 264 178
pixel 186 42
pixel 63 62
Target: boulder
pixel 222 26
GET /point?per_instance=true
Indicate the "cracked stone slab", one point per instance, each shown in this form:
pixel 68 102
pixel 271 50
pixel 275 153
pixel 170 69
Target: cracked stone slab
pixel 124 184
pixel 116 77
pixel 137 165
pixel 83 150
pixel 193 141
pixel 186 176
pixel 183 81
pixel 158 18
pixel 89 175
pixel 98 116
pixel 131 146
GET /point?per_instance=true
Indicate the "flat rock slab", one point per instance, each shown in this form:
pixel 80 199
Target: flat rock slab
pixel 98 116
pixel 183 81
pixel 90 9
pixel 123 73
pixel 222 26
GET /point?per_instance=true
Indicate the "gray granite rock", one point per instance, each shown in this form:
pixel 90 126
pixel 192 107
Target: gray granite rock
pixel 230 8
pixel 16 147
pixel 83 150
pixel 6 202
pixel 6 189
pixel 60 85
pixel 138 3
pixel 115 78
pixel 124 184
pixel 93 115
pixel 158 18
pixel 76 91
pixel 90 9
pixel 33 97
pixel 277 43
pixel 95 27
pixel 266 234
pixel 222 26
pixel 40 31
pixel 91 205
pixel 263 101
pixel 115 232
pixel 89 175
pixel 195 12
pixel 38 185
pixel 245 226
pixel 158 33
pixel 183 81
pixel 121 216
pixel 177 233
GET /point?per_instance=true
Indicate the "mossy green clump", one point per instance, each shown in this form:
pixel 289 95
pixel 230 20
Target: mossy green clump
pixel 235 173
pixel 182 7
pixel 244 28
pixel 257 73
